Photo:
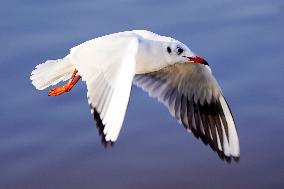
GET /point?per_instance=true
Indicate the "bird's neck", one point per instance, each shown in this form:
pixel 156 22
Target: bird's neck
pixel 150 57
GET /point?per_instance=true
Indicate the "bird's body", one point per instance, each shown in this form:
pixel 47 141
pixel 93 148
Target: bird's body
pixel 164 67
pixel 148 51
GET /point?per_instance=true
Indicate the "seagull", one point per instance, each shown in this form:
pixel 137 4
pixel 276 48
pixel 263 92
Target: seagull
pixel 162 66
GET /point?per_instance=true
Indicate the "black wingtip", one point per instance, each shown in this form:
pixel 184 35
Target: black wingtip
pixel 204 115
pixel 237 159
pixel 100 127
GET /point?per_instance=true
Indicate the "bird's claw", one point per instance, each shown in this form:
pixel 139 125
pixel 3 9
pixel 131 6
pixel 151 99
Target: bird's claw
pixel 67 87
pixel 59 90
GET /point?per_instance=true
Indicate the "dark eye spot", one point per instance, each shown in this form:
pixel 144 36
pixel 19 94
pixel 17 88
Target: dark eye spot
pixel 179 50
pixel 169 49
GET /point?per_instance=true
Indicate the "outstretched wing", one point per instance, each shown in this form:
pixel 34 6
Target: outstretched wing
pixel 107 64
pixel 193 96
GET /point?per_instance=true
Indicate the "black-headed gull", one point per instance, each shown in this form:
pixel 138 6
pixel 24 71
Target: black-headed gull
pixel 164 67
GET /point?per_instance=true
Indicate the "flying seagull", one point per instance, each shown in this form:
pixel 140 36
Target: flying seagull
pixel 164 67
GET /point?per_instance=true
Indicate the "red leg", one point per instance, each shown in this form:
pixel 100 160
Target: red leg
pixel 67 87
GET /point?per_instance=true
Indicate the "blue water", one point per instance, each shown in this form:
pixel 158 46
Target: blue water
pixel 53 142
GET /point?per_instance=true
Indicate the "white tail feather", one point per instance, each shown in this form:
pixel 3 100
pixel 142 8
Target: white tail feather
pixel 51 72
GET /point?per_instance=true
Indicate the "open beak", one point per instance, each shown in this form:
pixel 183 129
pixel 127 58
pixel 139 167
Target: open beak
pixel 198 60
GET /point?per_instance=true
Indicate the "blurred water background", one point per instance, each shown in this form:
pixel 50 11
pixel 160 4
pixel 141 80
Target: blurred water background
pixel 53 142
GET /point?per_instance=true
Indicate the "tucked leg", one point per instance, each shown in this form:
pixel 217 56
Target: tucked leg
pixel 67 87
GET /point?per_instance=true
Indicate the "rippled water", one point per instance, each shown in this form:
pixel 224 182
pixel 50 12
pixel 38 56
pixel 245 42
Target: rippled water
pixel 53 143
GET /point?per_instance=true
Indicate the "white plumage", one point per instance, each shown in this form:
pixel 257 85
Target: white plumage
pixel 164 67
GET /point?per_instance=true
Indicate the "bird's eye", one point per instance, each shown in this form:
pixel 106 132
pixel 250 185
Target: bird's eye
pixel 169 50
pixel 179 50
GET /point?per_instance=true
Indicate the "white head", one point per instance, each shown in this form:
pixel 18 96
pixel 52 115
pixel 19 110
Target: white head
pixel 156 52
pixel 177 52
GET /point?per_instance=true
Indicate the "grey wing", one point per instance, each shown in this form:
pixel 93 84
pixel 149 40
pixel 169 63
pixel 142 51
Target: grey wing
pixel 193 96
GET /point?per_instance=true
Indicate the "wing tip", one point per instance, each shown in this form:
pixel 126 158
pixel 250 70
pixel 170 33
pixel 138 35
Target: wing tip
pixel 229 152
pixel 100 126
pixel 227 157
pixel 234 145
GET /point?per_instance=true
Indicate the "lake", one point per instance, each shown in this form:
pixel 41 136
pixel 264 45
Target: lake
pixel 53 142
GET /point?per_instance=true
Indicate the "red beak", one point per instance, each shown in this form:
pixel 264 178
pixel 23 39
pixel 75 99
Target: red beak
pixel 198 60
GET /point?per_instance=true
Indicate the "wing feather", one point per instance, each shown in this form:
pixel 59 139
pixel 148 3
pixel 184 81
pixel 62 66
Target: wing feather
pixel 107 64
pixel 194 97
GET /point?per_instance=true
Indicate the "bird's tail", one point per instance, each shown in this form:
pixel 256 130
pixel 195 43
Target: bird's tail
pixel 51 72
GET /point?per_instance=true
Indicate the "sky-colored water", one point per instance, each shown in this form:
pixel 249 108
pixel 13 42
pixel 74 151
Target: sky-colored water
pixel 53 142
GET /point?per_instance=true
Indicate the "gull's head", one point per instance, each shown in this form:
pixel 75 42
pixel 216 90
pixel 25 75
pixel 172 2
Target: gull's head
pixel 178 52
